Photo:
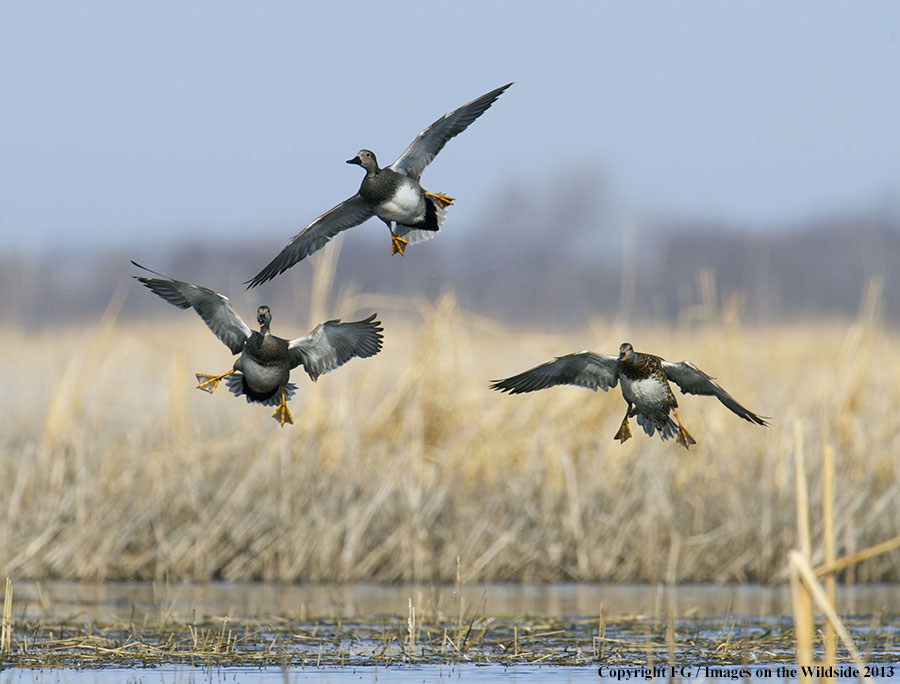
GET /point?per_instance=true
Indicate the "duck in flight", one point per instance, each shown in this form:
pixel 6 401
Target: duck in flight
pixel 645 386
pixel 262 371
pixel 392 193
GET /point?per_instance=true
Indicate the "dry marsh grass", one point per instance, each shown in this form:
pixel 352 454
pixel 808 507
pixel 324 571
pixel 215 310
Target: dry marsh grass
pixel 114 466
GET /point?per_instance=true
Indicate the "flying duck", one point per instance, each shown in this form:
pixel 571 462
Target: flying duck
pixel 393 194
pixel 262 372
pixel 645 387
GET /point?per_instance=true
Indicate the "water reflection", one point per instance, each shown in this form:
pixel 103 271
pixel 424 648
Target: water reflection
pixel 491 674
pixel 112 601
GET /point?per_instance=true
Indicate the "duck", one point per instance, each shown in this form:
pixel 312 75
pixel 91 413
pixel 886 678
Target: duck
pixel 393 194
pixel 645 382
pixel 262 371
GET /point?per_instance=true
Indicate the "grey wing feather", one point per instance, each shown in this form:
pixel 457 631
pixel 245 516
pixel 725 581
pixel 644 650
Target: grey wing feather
pixel 585 369
pixel 432 140
pixel 692 380
pixel 351 212
pixel 332 344
pixel 214 309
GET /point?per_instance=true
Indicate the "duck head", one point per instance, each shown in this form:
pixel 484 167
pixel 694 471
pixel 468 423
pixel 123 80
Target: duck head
pixel 365 159
pixel 263 317
pixel 626 352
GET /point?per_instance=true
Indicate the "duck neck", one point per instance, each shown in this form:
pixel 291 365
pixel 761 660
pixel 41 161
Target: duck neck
pixel 629 364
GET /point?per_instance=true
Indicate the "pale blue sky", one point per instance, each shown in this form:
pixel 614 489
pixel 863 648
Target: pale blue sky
pixel 124 121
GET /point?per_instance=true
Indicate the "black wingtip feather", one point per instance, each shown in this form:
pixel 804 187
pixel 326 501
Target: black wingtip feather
pixel 150 270
pixel 371 345
pixel 163 287
pixel 265 275
pixel 512 386
pixel 284 261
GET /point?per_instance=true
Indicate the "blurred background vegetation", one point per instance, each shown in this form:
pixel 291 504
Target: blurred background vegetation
pixel 532 258
pixel 115 467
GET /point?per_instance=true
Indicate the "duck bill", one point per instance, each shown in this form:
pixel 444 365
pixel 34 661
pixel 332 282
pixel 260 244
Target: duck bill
pixel 621 356
pixel 356 160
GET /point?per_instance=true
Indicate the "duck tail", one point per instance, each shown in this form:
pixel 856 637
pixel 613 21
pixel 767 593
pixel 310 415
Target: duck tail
pixel 667 429
pixel 435 212
pixel 238 386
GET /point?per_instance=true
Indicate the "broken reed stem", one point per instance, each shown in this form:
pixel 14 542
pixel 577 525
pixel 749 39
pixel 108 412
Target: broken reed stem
pixel 803 535
pixel 858 556
pixel 801 569
pixel 459 608
pixel 800 600
pixel 411 627
pixel 805 587
pixel 803 624
pixel 6 630
pixel 828 544
pixel 671 577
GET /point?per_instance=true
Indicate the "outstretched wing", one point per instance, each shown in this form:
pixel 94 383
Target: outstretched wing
pixel 432 140
pixel 351 212
pixel 594 371
pixel 214 309
pixel 332 344
pixel 692 380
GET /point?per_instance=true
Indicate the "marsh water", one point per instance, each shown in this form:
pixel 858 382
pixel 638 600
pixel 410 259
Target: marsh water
pixel 110 601
pixel 576 629
pixel 407 675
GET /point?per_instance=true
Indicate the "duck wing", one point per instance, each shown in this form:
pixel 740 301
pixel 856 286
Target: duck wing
pixel 351 212
pixel 585 369
pixel 692 380
pixel 332 344
pixel 432 140
pixel 215 309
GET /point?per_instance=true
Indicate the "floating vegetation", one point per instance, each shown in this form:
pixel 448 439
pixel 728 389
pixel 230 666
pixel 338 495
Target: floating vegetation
pixel 395 640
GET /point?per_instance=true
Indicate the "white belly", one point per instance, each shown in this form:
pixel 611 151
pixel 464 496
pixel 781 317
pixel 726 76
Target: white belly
pixel 648 393
pixel 406 206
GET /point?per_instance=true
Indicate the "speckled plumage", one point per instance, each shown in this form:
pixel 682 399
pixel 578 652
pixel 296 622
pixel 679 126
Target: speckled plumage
pixel 645 387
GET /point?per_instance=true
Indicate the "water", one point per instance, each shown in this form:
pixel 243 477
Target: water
pixel 113 601
pixel 367 626
pixel 405 675
pixel 491 674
